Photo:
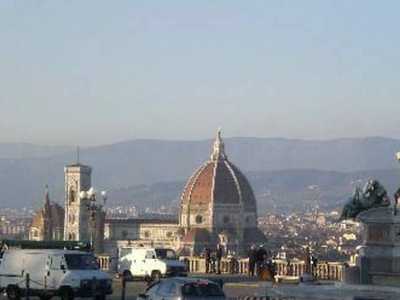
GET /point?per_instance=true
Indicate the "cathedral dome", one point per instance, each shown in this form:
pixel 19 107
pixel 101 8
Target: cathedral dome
pixel 218 201
pixel 218 181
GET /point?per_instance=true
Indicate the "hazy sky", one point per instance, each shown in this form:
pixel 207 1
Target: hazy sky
pixel 97 72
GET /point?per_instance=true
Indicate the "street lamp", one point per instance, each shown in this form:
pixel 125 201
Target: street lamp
pixel 397 194
pixel 94 210
pixel 398 155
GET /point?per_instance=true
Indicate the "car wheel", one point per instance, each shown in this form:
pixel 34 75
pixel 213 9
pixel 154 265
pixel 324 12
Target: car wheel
pixel 100 297
pixel 66 294
pixel 13 292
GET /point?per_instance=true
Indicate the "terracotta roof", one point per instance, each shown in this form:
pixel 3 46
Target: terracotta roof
pixel 219 181
pixel 56 216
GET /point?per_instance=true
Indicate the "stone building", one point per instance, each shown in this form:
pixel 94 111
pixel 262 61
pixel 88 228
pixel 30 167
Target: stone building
pixel 84 214
pixel 217 207
pixel 48 223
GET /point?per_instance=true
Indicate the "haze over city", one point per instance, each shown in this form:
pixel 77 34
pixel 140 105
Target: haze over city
pixel 92 73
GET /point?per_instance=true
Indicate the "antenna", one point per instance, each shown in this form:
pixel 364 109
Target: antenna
pixel 77 155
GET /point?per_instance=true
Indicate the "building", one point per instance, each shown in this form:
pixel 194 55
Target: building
pixel 48 223
pixel 217 207
pixel 84 216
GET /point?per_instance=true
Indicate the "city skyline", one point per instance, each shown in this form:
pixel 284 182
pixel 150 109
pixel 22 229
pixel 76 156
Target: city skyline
pixel 97 73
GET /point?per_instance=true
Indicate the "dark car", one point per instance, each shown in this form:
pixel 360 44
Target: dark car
pixel 183 288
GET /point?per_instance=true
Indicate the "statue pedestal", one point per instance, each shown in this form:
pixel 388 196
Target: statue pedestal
pixel 380 254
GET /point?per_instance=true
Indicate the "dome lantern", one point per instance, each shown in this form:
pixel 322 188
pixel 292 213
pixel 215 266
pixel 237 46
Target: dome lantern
pixel 219 148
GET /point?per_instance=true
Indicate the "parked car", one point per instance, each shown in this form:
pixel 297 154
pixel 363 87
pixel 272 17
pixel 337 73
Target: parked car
pixel 183 288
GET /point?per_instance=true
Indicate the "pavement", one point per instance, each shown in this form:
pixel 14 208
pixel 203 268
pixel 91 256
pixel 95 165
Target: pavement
pixel 291 288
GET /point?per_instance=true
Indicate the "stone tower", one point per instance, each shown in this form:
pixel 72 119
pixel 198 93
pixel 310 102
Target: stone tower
pixel 77 179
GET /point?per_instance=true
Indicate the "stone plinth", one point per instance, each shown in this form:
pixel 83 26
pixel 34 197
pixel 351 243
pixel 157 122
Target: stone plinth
pixel 380 253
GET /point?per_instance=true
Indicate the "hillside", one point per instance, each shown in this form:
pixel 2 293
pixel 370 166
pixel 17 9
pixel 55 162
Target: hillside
pixel 133 170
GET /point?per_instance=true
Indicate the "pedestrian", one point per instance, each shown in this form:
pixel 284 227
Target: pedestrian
pixel 218 256
pixel 307 260
pixel 208 259
pixel 260 256
pixel 314 263
pixel 252 260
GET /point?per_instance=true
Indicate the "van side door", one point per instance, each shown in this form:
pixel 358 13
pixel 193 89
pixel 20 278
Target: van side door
pixel 151 261
pixel 55 271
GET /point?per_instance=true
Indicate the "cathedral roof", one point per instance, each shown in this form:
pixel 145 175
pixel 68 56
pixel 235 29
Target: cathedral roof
pixel 56 216
pixel 218 181
pixel 51 211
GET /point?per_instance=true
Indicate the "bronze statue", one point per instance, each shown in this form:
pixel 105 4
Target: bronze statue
pixel 372 196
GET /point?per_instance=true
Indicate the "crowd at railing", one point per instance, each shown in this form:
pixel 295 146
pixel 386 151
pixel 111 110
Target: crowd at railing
pixel 322 270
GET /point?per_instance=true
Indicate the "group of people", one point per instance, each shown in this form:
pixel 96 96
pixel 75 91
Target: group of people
pixel 213 259
pixel 260 263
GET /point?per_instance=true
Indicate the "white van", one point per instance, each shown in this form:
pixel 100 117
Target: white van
pixel 50 272
pixel 149 263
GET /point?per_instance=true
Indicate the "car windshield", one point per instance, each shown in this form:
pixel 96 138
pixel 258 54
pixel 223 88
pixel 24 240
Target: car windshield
pixel 205 289
pixel 81 262
pixel 166 254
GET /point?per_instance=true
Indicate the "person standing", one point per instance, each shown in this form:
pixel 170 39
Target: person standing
pixel 208 259
pixel 252 260
pixel 307 260
pixel 261 255
pixel 218 256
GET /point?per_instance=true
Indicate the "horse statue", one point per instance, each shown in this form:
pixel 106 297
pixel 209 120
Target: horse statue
pixel 372 196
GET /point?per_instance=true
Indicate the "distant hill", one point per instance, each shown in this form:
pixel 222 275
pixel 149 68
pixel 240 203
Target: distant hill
pixel 140 171
pixel 285 190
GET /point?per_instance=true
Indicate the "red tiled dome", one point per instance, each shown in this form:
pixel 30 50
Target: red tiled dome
pixel 219 181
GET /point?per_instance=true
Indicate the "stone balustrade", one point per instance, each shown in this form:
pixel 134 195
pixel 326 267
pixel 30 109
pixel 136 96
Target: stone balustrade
pixel 104 261
pixel 323 270
pixel 197 265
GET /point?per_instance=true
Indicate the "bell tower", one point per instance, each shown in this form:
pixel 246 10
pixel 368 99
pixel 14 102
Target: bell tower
pixel 77 179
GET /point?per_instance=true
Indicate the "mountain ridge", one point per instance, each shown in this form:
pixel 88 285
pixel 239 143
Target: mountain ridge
pixel 24 171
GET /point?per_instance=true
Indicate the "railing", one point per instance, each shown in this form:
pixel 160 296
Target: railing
pixel 323 270
pixel 104 261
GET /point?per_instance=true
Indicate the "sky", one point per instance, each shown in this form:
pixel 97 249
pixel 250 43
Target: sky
pixel 98 72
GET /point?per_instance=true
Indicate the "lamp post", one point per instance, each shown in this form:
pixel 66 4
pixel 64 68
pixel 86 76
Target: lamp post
pixel 397 194
pixel 95 211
